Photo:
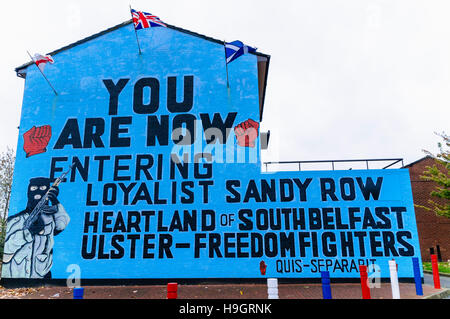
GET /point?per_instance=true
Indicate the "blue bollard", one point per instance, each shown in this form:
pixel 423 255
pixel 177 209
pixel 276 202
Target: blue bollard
pixel 78 293
pixel 417 277
pixel 326 288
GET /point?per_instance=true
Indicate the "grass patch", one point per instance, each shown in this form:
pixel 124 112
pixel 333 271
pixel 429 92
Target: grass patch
pixel 444 267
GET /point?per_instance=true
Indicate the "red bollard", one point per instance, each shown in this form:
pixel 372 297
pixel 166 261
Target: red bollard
pixel 364 278
pixel 172 288
pixel 434 265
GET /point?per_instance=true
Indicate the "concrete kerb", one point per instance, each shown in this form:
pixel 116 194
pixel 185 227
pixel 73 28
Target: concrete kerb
pixel 439 295
pixel 440 274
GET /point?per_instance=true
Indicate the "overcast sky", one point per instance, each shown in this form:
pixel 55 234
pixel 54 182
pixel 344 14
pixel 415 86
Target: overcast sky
pixel 348 79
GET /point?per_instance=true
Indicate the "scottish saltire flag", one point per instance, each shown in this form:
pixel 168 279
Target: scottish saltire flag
pixel 41 60
pixel 143 20
pixel 235 49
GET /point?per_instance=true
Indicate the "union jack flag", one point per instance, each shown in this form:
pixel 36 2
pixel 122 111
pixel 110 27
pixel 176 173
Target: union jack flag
pixel 143 20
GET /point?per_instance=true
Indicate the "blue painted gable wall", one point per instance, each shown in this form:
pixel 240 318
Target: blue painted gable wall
pixel 78 74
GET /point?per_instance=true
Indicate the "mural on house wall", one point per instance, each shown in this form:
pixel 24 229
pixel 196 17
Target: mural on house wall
pixel 162 155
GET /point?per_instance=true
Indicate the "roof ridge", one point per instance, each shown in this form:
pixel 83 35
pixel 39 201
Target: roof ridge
pixel 419 160
pixel 120 25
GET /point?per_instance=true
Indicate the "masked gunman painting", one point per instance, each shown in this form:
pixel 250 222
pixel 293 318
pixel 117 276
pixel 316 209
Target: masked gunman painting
pixel 28 251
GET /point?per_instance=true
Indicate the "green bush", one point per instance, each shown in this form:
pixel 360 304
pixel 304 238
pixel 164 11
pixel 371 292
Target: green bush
pixel 444 267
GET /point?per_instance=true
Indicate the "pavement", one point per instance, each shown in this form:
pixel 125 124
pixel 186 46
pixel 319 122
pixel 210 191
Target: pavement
pixel 444 279
pixel 444 282
pixel 230 291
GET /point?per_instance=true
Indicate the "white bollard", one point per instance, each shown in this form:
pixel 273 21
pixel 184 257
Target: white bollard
pixel 394 279
pixel 272 288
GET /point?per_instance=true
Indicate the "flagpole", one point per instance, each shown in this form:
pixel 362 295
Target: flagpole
pixel 34 62
pixel 135 32
pixel 226 63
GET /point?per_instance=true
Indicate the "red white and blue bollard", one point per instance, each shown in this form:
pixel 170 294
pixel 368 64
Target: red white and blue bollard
pixel 394 279
pixel 435 267
pixel 172 290
pixel 272 288
pixel 326 287
pixel 417 277
pixel 364 279
pixel 78 293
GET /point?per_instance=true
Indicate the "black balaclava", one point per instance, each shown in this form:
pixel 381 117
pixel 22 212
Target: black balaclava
pixel 36 190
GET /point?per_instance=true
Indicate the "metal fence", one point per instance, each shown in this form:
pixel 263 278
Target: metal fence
pixel 388 163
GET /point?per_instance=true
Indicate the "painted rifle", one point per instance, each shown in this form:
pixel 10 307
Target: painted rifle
pixel 40 206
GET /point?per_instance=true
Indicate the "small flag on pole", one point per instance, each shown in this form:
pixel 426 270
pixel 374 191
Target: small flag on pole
pixel 235 49
pixel 143 20
pixel 41 60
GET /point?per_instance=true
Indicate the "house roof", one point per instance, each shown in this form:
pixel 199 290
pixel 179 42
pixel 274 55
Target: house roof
pixel 418 161
pixel 263 59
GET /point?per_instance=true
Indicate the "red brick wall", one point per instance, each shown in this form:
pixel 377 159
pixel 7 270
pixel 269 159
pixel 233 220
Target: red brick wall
pixel 433 230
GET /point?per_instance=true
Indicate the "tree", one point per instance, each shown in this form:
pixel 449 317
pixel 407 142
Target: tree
pixel 7 160
pixel 440 173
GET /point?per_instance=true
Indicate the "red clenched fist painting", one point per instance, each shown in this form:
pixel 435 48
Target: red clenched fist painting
pixel 246 133
pixel 36 139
